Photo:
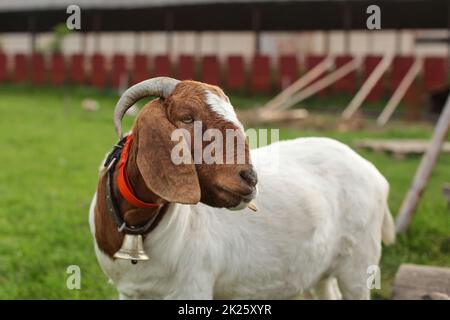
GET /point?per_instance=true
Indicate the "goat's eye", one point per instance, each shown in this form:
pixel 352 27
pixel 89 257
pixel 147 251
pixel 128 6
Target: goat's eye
pixel 187 119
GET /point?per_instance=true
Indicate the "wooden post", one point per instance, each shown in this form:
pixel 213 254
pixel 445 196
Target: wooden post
pixel 256 26
pixel 83 41
pixel 371 81
pixel 198 45
pixel 448 32
pixel 97 25
pixel 398 41
pixel 347 22
pixel 32 30
pixel 323 83
pixel 423 174
pixel 399 93
pixel 303 81
pixel 137 37
pixel 416 282
pixel 326 43
pixel 168 26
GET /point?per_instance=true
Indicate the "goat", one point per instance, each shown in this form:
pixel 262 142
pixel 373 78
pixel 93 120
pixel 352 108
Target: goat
pixel 321 217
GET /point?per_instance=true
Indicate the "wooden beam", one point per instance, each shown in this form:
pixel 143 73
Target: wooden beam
pixel 283 115
pixel 424 171
pixel 198 45
pixel 399 146
pixel 169 26
pixel 252 117
pixel 365 89
pixel 323 83
pixel 32 30
pixel 415 282
pixel 256 27
pixel 433 40
pixel 97 27
pixel 400 92
pixel 302 82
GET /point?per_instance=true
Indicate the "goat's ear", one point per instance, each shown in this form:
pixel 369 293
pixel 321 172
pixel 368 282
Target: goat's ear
pixel 174 183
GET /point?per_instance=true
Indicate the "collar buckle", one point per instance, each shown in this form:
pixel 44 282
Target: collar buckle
pixel 115 154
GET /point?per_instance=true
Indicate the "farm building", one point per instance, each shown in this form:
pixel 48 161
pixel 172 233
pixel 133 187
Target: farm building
pixel 253 46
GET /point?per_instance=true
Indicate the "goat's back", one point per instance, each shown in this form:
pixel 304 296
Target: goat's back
pixel 320 203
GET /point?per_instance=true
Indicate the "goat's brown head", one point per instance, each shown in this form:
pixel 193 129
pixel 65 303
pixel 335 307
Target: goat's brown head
pixel 188 105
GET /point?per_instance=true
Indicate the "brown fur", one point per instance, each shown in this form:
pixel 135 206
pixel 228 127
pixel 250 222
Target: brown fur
pixel 108 238
pixel 188 98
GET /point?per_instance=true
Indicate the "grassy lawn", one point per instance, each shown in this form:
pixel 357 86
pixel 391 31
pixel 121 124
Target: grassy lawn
pixel 51 151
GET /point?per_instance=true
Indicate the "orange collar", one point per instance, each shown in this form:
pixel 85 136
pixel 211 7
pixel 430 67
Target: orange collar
pixel 123 181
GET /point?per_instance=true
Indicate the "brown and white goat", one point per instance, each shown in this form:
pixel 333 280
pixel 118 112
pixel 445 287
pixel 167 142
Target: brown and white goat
pixel 321 216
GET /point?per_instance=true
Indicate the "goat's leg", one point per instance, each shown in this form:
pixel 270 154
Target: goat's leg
pixel 327 289
pixel 352 272
pixel 352 277
pixel 353 288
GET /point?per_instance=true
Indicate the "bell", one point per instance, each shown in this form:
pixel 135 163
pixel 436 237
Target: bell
pixel 132 249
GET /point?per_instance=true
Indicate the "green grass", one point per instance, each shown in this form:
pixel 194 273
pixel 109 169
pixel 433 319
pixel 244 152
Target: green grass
pixel 51 150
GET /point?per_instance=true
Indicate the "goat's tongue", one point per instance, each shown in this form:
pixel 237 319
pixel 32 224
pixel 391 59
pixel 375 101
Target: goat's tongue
pixel 252 206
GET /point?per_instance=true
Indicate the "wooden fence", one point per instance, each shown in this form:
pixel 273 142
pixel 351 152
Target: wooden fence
pixel 263 74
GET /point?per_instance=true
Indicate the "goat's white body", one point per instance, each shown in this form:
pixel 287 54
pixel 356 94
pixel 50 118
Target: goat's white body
pixel 321 216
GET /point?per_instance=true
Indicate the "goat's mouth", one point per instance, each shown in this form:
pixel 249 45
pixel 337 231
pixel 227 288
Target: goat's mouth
pixel 246 196
pixel 233 197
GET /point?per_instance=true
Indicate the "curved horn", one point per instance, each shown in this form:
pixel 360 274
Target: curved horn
pixel 159 87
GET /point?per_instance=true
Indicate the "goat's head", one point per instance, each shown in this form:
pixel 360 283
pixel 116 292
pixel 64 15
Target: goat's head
pixel 183 105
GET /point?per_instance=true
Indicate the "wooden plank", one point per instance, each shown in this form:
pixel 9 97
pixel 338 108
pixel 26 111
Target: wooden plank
pixel 446 192
pixel 371 81
pixel 322 83
pixel 268 116
pixel 399 93
pixel 424 171
pixel 406 146
pixel 415 282
pixel 283 115
pixel 303 81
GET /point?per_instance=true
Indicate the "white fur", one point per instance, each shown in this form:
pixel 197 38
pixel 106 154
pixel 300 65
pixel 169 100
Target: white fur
pixel 319 219
pixel 223 108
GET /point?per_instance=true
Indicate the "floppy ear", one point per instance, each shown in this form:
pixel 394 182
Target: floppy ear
pixel 174 183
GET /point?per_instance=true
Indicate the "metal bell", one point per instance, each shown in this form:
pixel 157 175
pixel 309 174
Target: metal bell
pixel 132 249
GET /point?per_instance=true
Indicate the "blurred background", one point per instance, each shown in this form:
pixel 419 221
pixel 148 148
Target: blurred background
pixel 374 78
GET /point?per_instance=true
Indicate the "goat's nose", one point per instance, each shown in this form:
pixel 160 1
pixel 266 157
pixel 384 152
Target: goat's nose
pixel 249 176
